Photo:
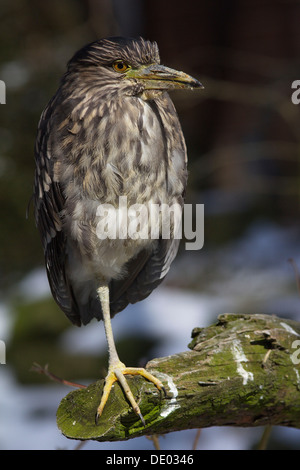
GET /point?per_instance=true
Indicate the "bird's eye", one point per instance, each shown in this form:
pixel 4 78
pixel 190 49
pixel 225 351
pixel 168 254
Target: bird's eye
pixel 120 66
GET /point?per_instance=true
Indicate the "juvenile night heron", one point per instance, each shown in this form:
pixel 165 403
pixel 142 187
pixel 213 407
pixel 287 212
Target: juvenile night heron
pixel 110 130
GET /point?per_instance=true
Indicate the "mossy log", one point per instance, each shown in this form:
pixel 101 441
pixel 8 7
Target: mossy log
pixel 242 371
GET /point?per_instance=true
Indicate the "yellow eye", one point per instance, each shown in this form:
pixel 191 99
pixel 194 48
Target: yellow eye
pixel 120 66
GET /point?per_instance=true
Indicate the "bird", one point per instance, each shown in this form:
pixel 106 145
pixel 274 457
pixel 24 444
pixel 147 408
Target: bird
pixel 110 131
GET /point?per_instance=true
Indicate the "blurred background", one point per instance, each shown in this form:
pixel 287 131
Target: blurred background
pixel 243 139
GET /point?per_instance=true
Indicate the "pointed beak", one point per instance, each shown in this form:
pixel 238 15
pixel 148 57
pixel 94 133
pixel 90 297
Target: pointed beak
pixel 159 77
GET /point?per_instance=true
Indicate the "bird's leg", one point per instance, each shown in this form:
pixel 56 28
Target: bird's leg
pixel 116 369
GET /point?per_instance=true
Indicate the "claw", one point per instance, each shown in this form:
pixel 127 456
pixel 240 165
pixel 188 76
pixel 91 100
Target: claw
pixel 142 419
pixel 116 373
pixel 117 369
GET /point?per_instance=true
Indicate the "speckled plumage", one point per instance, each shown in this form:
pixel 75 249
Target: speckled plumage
pixel 100 137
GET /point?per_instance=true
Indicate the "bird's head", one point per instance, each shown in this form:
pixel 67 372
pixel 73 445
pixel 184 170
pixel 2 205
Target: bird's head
pixel 129 64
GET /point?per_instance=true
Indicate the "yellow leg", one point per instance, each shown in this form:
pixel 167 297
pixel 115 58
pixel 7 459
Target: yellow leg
pixel 117 369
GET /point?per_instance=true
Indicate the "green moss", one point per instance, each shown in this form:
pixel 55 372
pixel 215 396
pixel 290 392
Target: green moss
pixel 239 371
pixel 77 411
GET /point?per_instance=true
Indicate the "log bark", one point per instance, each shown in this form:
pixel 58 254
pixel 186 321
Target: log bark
pixel 242 371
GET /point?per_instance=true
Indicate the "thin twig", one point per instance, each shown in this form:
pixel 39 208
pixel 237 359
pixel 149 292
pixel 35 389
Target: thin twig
pixel 45 371
pixel 79 445
pixel 155 440
pixel 262 445
pixel 196 440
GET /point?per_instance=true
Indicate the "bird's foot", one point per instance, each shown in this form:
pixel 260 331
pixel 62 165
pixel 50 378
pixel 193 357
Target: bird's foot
pixel 116 372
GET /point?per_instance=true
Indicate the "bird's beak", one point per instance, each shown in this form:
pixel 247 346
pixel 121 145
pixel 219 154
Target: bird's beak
pixel 159 77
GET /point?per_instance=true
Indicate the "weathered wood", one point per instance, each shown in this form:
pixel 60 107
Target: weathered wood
pixel 242 371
